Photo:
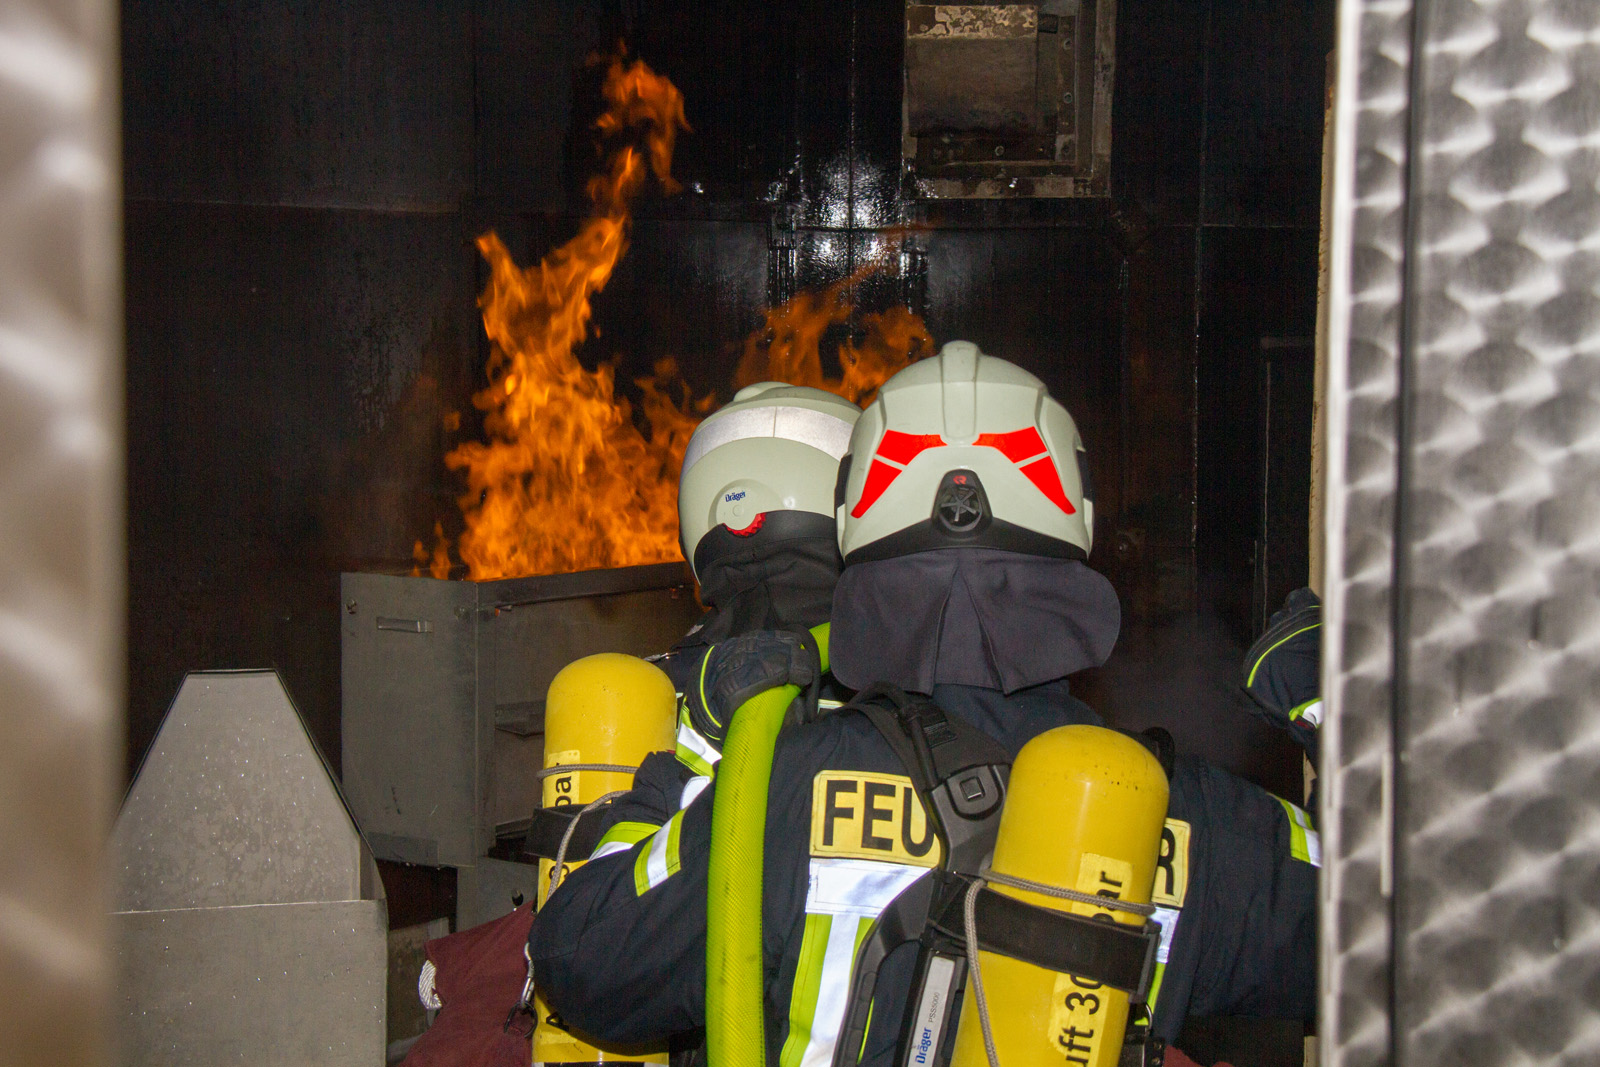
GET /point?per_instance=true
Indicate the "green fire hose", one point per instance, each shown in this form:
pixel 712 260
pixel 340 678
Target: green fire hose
pixel 735 1020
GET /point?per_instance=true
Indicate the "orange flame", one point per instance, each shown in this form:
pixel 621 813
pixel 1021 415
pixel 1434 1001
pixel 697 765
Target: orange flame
pixel 438 562
pixel 567 480
pixel 789 348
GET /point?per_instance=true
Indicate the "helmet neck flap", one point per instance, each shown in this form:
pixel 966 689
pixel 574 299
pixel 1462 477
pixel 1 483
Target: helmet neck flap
pixel 970 616
pixel 779 578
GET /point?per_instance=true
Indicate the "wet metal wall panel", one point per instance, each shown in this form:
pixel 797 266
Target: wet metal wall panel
pixel 363 103
pixel 1498 803
pixel 1264 111
pixel 1361 420
pixel 60 523
pixel 289 374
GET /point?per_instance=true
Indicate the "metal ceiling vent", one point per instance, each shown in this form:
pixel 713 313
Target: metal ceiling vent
pixel 250 920
pixel 1009 100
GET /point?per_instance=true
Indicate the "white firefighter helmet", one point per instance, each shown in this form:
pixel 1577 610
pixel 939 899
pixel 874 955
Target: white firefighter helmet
pixel 964 450
pixel 774 449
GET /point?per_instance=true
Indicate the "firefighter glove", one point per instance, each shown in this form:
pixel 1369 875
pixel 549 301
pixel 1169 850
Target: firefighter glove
pixel 741 667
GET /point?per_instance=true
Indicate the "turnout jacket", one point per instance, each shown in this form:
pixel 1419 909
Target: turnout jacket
pixel 619 949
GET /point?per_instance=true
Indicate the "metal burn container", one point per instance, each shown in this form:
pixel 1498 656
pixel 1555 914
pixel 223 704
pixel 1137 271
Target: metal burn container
pixel 443 704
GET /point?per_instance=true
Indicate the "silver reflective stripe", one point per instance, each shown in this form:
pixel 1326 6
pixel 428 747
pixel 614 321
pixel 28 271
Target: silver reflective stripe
pixel 833 994
pixel 1167 919
pixel 856 887
pixel 693 788
pixel 691 740
pixel 1312 713
pixel 827 433
pixel 854 892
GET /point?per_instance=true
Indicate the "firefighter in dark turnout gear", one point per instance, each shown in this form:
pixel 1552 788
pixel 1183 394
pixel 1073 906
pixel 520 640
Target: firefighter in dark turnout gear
pixel 1283 669
pixel 965 524
pixel 755 519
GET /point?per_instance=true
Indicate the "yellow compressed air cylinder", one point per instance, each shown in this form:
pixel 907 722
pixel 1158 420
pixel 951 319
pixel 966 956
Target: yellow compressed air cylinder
pixel 1084 810
pixel 607 708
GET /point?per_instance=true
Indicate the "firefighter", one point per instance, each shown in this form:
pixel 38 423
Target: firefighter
pixel 1283 670
pixel 755 518
pixel 965 523
pixel 756 523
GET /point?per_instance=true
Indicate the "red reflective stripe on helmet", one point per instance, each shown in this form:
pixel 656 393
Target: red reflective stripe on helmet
pixel 1016 446
pixel 1042 472
pixel 902 448
pixel 879 477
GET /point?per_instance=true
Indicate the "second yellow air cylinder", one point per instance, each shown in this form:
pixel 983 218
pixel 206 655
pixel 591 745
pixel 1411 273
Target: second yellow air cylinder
pixel 607 708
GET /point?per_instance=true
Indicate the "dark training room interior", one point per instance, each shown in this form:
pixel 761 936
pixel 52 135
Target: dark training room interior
pixel 305 187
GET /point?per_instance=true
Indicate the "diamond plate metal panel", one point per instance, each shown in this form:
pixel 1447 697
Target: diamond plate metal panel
pixel 1499 783
pixel 60 523
pixel 1365 272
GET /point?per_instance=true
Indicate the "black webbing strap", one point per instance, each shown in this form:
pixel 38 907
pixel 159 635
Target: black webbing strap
pixel 931 746
pixel 544 834
pixel 1118 954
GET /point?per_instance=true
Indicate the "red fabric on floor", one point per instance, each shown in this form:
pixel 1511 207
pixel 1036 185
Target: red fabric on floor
pixel 481 972
pixel 1176 1058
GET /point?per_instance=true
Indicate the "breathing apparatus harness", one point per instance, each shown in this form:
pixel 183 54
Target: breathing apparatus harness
pixel 960 774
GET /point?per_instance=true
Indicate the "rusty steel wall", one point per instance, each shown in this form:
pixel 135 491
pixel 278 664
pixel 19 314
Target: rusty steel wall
pixel 1461 810
pixel 60 523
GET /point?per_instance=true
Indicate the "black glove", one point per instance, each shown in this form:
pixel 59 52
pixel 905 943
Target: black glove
pixel 741 667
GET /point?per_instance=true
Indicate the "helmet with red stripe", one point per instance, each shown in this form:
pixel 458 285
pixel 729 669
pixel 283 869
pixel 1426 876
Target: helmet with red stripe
pixel 964 450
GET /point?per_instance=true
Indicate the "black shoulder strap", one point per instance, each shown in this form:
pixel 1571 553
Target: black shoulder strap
pixel 932 746
pixel 959 774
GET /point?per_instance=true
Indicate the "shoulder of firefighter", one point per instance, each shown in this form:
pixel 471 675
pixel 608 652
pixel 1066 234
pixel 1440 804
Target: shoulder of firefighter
pixel 619 950
pixel 696 670
pixel 1283 669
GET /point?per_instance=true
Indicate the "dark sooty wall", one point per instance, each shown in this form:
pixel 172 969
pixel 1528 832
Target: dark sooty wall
pixel 304 181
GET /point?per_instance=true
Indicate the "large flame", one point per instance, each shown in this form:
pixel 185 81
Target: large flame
pixel 567 479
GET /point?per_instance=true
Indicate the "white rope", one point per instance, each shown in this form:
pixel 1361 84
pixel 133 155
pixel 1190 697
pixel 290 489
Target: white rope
pixel 969 914
pixel 425 989
pixel 563 768
pixel 1111 903
pixel 969 911
pixel 526 1001
pixel 566 838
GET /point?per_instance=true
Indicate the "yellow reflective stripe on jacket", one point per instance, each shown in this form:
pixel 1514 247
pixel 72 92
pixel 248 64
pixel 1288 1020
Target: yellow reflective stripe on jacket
pixel 658 860
pixel 822 988
pixel 843 901
pixel 1305 844
pixel 621 837
pixel 1310 711
pixel 694 751
pixel 1251 680
pixel 697 753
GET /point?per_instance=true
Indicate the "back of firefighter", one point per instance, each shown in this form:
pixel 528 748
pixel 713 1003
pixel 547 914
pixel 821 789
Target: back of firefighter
pixel 965 524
